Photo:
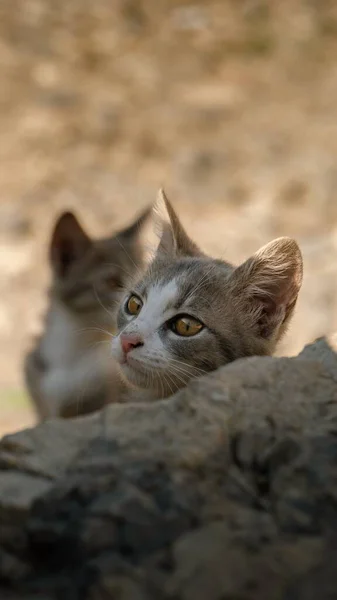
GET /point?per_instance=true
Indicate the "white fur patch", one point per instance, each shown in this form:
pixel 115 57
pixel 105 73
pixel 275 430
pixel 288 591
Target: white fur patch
pixel 155 311
pixel 71 384
pixel 74 366
pixel 61 340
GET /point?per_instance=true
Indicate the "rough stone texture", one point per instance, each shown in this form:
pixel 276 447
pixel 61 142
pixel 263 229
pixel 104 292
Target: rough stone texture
pixel 227 491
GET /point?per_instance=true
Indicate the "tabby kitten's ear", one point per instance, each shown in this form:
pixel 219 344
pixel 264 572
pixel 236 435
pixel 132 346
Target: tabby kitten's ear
pixel 69 243
pixel 174 240
pixel 136 230
pixel 269 283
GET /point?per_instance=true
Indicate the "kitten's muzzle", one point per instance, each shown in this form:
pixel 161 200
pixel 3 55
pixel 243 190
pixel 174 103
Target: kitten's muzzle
pixel 130 341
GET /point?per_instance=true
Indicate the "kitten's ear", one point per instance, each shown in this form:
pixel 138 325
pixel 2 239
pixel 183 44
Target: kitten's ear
pixel 174 240
pixel 69 243
pixel 270 281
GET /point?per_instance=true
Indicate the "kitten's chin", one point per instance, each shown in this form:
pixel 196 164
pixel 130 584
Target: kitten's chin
pixel 156 387
pixel 134 375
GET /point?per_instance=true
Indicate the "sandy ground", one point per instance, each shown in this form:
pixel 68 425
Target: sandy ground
pixel 231 105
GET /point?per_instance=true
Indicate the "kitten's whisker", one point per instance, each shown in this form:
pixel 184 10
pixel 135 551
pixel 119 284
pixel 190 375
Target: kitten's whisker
pixel 175 387
pixel 121 331
pixel 149 377
pixel 85 329
pixel 166 380
pixel 128 255
pixel 182 375
pixel 177 375
pixel 128 273
pixel 181 363
pixel 102 305
pixel 162 387
pixel 95 344
pixel 188 365
pixel 190 373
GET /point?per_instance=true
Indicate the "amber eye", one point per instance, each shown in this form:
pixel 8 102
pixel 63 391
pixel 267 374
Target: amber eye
pixel 186 326
pixel 134 305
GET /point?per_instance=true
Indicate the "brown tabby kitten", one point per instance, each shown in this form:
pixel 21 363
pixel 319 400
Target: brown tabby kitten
pixel 189 314
pixel 70 372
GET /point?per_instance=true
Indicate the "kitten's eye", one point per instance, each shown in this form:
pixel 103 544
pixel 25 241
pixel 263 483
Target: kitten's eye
pixel 186 326
pixel 134 305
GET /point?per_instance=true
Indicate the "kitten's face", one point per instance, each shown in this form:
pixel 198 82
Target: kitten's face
pixel 183 321
pixel 90 275
pixel 190 314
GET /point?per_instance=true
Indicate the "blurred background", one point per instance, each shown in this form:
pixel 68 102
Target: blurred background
pixel 231 104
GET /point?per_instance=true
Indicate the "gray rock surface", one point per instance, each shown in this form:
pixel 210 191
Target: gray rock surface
pixel 226 491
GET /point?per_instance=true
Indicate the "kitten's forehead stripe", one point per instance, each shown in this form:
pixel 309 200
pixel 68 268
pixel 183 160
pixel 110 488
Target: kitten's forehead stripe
pixel 160 298
pixel 199 282
pixel 193 277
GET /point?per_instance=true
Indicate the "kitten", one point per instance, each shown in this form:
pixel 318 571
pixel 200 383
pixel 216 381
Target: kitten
pixel 189 314
pixel 69 372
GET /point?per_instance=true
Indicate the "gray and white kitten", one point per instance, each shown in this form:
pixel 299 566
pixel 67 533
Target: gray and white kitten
pixel 190 313
pixel 69 371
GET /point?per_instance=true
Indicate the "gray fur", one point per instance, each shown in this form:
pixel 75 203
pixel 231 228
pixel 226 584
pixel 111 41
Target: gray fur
pixel 98 270
pixel 245 310
pixel 69 371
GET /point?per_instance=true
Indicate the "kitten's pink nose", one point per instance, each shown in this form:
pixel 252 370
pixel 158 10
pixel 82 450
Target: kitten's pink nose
pixel 129 341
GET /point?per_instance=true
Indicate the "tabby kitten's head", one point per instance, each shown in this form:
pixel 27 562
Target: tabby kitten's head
pixel 190 313
pixel 89 275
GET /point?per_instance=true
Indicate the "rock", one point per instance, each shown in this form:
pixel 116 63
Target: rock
pixel 226 490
